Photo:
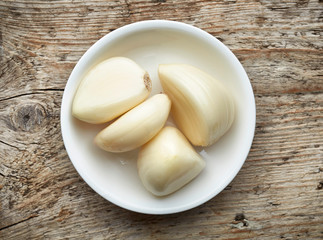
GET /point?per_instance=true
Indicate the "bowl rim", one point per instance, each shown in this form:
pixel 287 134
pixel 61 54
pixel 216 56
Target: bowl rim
pixel 148 25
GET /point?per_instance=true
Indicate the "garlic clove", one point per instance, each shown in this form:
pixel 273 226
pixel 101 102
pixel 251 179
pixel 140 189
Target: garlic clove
pixel 201 106
pixel 135 127
pixel 168 162
pixel 110 89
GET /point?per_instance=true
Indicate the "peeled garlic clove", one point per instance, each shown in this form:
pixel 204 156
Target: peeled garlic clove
pixel 168 162
pixel 201 106
pixel 135 127
pixel 110 89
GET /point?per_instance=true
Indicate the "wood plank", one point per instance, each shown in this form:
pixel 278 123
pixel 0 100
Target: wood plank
pixel 278 194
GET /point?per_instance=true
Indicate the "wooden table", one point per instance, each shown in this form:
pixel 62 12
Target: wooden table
pixel 278 194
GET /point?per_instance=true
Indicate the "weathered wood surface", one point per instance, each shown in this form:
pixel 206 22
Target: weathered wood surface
pixel 278 194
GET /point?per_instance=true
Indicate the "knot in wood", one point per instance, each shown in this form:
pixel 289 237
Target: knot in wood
pixel 29 116
pixel 239 217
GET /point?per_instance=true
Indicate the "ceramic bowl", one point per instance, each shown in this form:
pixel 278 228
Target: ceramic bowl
pixel 150 43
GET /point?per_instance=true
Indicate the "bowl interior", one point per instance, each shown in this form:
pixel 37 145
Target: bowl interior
pixel 114 176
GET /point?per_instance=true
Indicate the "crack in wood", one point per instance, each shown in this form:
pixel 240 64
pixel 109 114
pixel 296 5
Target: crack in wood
pixel 19 95
pixel 286 93
pixel 50 89
pixel 32 93
pixel 21 221
pixel 9 145
pixel 275 50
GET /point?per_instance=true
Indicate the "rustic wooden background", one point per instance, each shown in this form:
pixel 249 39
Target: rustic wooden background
pixel 278 194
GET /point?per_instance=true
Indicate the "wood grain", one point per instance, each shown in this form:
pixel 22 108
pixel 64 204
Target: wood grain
pixel 278 194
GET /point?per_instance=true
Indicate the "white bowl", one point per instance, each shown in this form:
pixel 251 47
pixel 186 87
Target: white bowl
pixel 149 43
